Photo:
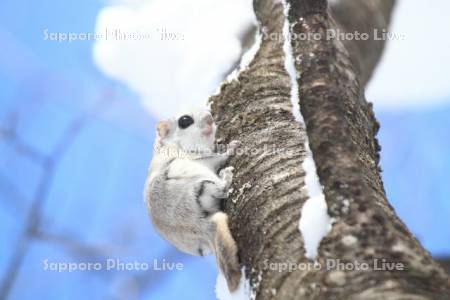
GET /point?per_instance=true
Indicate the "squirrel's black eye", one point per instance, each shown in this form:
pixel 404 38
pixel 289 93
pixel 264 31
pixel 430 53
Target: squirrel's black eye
pixel 185 121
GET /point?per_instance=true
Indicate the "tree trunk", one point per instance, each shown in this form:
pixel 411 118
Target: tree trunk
pixel 269 185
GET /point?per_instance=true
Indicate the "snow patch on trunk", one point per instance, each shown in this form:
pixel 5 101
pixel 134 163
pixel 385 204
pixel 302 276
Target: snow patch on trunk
pixel 246 59
pixel 315 223
pixel 244 291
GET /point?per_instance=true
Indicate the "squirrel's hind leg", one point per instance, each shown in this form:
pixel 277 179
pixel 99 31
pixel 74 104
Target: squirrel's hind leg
pixel 210 194
pixel 225 250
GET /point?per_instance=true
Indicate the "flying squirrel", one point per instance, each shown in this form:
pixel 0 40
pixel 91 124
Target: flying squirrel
pixel 186 187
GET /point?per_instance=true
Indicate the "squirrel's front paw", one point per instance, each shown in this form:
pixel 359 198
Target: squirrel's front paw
pixel 226 175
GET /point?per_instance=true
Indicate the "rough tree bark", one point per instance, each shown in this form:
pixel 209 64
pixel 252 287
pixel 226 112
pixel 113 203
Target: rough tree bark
pixel 268 195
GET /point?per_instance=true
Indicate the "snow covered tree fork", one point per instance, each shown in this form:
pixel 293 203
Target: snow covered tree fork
pixel 307 98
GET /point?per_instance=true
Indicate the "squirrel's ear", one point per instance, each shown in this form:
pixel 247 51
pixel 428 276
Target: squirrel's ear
pixel 225 250
pixel 163 128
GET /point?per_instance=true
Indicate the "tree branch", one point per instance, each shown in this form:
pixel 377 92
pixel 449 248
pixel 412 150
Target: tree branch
pixel 362 16
pixel 269 185
pixel 342 130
